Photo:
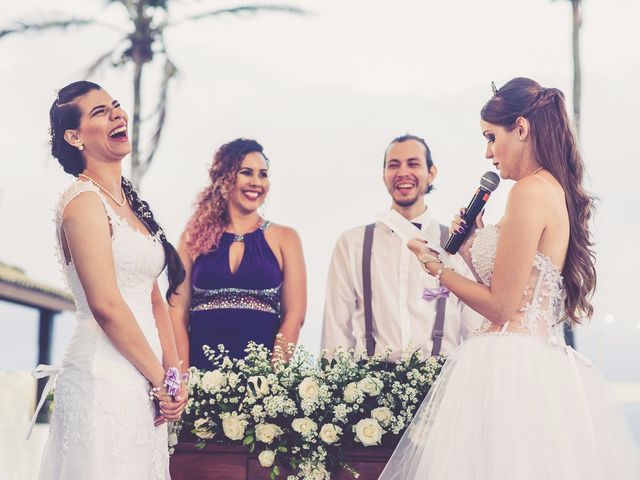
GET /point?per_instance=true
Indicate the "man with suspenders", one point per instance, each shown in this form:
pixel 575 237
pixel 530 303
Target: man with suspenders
pixel 375 287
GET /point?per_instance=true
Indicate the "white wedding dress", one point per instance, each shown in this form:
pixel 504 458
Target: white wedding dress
pixel 102 423
pixel 516 403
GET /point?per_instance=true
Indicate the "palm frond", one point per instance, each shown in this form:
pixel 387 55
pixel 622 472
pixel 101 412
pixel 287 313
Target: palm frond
pixel 102 59
pixel 23 26
pixel 170 71
pixel 246 9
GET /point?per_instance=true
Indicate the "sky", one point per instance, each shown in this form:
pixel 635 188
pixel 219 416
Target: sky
pixel 324 94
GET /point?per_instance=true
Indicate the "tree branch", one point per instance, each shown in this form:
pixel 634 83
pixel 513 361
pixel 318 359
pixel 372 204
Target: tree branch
pixel 170 71
pixel 23 26
pixel 248 9
pixel 102 59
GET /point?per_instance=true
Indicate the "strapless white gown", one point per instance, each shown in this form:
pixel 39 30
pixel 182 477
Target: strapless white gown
pixel 516 403
pixel 102 423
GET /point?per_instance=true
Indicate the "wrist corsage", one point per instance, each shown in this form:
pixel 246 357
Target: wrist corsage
pixel 171 384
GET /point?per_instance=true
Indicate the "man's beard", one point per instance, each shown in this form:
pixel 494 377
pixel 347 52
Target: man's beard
pixel 409 202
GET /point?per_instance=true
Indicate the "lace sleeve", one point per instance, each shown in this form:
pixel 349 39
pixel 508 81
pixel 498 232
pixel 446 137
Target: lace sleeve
pixel 69 194
pixel 66 196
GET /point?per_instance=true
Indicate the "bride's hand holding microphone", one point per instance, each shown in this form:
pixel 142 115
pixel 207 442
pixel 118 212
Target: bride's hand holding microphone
pixel 460 226
pixel 461 230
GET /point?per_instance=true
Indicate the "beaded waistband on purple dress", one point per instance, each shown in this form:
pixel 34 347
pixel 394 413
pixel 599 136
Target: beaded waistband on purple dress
pixel 233 308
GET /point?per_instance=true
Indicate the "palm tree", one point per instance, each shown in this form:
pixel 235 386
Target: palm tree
pixel 143 43
pixel 577 67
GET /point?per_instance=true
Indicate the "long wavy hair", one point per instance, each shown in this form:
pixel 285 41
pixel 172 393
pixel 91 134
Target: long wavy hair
pixel 211 212
pixel 556 150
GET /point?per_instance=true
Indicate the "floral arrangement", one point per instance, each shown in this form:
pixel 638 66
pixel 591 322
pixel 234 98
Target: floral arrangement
pixel 303 413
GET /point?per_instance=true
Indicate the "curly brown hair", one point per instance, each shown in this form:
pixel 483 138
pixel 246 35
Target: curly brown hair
pixel 211 213
pixel 556 149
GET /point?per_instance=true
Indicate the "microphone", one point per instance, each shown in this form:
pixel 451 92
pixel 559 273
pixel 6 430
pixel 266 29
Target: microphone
pixel 488 183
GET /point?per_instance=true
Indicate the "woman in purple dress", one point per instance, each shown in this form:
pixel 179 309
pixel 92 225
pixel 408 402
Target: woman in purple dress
pixel 246 277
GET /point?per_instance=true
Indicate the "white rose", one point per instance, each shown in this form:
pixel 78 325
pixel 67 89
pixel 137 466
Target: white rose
pixel 381 414
pixel 201 430
pixel 213 381
pixel 172 439
pixel 308 389
pixel 368 431
pixel 330 433
pixel 266 432
pixel 233 428
pixel 351 392
pixel 304 426
pixel 370 385
pixel 267 458
pixel 260 384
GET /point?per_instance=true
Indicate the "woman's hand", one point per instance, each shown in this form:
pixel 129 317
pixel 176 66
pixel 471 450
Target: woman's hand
pixel 170 408
pixel 458 225
pixel 427 257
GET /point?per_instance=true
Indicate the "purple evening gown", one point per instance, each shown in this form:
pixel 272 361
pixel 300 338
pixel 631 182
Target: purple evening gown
pixel 234 308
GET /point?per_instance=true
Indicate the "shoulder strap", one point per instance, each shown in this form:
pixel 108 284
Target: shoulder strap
pixel 69 194
pixel 266 224
pixel 441 306
pixel 444 235
pixel 366 288
pixel 72 192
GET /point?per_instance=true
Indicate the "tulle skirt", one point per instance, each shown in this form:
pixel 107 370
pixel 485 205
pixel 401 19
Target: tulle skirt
pixel 515 407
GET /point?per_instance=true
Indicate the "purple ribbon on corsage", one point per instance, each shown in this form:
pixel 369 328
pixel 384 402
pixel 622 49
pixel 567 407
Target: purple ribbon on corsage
pixel 172 381
pixel 431 294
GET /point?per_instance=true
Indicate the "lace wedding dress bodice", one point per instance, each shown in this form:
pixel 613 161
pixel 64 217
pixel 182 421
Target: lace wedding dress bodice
pixel 138 259
pixel 102 423
pixel 541 310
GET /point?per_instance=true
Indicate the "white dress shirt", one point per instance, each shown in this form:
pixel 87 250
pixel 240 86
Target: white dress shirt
pixel 401 317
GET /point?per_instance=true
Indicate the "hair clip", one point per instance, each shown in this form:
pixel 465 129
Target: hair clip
pixel 494 89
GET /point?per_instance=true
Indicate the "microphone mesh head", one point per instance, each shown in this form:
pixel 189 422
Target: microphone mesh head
pixel 490 181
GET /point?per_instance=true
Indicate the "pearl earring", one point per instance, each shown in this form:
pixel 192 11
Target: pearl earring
pixel 81 147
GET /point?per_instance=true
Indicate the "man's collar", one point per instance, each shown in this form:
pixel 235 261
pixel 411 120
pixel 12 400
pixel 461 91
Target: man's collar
pixel 424 218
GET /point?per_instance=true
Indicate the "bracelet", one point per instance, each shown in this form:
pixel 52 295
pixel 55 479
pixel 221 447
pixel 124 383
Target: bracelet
pixel 441 271
pixel 153 393
pixel 429 258
pixel 439 274
pixel 172 382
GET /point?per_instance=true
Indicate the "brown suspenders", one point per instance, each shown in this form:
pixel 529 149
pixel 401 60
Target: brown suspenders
pixel 441 305
pixel 366 289
pixel 438 328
